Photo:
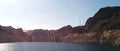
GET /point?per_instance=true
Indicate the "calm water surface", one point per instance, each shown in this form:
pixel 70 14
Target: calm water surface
pixel 53 46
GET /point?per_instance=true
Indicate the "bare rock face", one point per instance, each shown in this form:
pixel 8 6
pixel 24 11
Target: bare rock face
pixel 20 36
pixel 105 19
pixel 107 15
pixel 106 23
pixel 111 37
pixel 81 38
pixel 52 35
pixel 110 33
pixel 104 26
pixel 39 35
pixel 5 36
pixel 9 34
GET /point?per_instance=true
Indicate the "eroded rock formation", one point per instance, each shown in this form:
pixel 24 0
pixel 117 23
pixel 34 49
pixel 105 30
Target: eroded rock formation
pixel 9 34
pixel 103 27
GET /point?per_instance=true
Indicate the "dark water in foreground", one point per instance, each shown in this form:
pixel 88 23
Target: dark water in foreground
pixel 53 46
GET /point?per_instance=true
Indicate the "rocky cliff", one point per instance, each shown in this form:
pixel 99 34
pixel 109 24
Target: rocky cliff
pixel 51 35
pixel 105 18
pixel 64 34
pixel 111 37
pixel 9 34
pixel 103 27
pixel 111 27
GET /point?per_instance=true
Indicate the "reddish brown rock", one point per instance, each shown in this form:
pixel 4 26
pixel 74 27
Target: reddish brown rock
pixel 105 19
pixel 9 34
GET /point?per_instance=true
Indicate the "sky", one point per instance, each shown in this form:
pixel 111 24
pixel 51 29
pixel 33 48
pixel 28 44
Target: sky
pixel 49 14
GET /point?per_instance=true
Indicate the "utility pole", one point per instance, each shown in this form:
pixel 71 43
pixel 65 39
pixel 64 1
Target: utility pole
pixel 80 22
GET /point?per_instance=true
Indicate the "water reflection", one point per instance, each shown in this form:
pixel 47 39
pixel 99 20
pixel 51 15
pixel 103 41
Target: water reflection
pixel 50 46
pixel 6 47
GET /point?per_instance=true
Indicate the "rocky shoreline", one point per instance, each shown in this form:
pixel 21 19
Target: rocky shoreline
pixel 103 27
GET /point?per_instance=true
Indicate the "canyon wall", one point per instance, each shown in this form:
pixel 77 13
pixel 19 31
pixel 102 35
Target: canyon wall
pixel 103 27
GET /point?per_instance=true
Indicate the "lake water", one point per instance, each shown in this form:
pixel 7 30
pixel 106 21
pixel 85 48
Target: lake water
pixel 53 46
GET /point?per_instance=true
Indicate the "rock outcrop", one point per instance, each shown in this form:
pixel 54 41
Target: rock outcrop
pixel 103 27
pixel 111 26
pixel 9 34
pixel 52 35
pixel 111 37
pixel 105 19
pixel 80 38
pixel 64 34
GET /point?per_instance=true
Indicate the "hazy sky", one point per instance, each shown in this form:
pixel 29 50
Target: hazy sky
pixel 49 14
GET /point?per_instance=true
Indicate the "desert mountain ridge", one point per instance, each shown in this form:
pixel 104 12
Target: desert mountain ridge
pixel 103 27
